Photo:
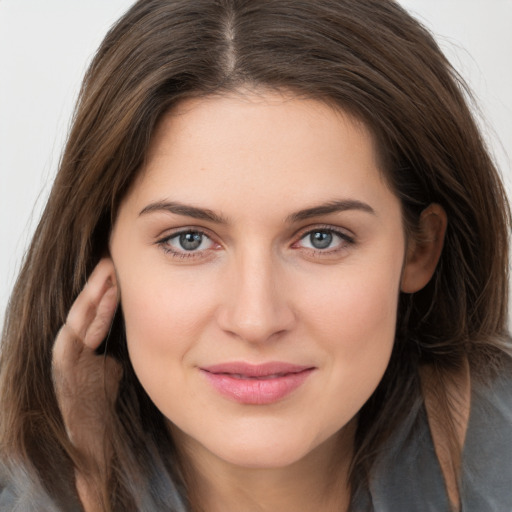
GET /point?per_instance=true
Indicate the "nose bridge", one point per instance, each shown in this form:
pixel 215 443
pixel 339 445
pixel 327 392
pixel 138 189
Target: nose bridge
pixel 256 306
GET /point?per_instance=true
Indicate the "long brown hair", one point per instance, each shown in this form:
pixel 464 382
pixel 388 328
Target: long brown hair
pixel 367 57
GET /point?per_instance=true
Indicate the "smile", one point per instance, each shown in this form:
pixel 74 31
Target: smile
pixel 256 384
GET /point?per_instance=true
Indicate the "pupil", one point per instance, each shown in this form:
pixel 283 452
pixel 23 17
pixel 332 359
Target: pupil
pixel 190 241
pixel 321 239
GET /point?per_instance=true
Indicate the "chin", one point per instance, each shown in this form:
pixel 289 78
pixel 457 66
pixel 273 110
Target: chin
pixel 263 457
pixel 262 450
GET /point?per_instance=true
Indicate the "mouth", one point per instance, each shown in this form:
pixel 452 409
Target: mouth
pixel 256 384
pixel 263 377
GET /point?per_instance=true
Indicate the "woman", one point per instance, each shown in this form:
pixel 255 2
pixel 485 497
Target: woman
pixel 271 275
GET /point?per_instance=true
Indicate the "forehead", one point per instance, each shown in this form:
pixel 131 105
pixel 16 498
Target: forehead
pixel 266 147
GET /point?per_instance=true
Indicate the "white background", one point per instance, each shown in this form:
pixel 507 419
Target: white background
pixel 45 46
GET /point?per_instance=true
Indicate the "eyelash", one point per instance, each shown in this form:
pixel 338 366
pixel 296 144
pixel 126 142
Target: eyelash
pixel 345 240
pixel 183 254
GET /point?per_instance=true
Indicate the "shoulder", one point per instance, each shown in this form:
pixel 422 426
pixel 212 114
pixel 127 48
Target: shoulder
pixel 486 473
pixel 487 455
pixel 409 456
pixel 7 498
pixel 7 493
pixel 19 492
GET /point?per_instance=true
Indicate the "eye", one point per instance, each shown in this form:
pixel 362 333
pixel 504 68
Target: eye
pixel 325 240
pixel 187 243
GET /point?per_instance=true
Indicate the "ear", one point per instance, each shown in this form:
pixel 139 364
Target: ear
pixel 424 251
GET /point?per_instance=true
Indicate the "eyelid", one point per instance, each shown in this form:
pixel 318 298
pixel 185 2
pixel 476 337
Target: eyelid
pixel 346 236
pixel 342 232
pixel 348 239
pixel 162 242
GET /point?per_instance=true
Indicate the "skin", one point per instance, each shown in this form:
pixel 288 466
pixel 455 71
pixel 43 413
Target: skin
pixel 257 290
pixel 86 384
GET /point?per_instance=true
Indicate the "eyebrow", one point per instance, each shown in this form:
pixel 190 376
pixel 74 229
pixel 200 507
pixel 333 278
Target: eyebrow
pixel 185 210
pixel 328 208
pixel 209 215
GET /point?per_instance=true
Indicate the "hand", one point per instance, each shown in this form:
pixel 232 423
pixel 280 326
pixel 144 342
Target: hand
pixel 86 384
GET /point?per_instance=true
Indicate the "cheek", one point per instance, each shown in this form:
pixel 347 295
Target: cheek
pixel 166 312
pixel 356 308
pixel 160 310
pixel 164 318
pixel 355 322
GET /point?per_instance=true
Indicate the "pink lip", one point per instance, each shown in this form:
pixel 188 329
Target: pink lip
pixel 256 384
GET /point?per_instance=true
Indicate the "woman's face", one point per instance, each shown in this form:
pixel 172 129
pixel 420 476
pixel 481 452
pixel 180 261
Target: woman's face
pixel 259 258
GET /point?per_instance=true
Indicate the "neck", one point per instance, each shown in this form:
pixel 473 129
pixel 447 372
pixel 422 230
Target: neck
pixel 318 481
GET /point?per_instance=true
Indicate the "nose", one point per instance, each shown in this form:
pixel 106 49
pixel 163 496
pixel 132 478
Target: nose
pixel 255 308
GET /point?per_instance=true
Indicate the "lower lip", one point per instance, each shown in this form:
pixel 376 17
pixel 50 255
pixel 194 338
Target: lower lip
pixel 257 391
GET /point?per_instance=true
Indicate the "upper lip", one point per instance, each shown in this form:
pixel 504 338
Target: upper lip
pixel 256 370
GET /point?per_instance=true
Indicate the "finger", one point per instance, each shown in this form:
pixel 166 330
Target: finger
pixel 69 343
pixel 113 374
pixel 67 349
pixel 84 308
pixel 100 325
